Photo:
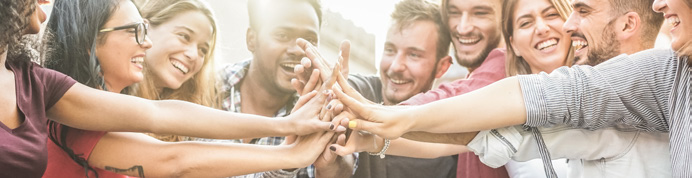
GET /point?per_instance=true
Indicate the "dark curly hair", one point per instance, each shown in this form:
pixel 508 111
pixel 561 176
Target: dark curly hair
pixel 15 15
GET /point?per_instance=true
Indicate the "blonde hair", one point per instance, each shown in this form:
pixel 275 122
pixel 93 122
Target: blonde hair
pixel 516 65
pixel 201 88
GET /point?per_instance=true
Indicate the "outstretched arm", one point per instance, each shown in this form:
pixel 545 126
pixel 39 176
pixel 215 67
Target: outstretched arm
pixel 135 154
pixel 86 108
pixel 498 105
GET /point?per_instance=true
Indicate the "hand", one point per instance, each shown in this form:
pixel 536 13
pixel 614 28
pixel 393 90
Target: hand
pixel 384 121
pixel 305 119
pixel 303 88
pixel 358 141
pixel 329 164
pixel 314 60
pixel 306 149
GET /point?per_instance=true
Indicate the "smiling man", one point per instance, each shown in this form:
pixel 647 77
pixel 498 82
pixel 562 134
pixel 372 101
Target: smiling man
pixel 262 85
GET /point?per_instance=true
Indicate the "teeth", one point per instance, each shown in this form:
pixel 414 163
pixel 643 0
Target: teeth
pixel 137 60
pixel 289 65
pixel 579 44
pixel 395 81
pixel 180 67
pixel 546 44
pixel 673 20
pixel 469 41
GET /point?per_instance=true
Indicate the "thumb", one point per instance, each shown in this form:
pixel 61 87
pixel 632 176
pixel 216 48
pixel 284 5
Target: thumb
pixel 355 106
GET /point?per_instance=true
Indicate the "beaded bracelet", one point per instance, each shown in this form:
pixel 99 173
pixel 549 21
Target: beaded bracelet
pixel 384 149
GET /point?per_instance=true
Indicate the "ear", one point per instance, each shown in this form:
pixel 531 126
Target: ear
pixel 442 66
pixel 514 48
pixel 251 39
pixel 630 26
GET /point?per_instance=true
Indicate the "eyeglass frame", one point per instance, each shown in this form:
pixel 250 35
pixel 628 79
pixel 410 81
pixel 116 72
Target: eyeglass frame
pixel 135 25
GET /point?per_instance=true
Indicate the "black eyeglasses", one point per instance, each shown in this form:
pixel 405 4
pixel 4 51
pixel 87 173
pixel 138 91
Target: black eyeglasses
pixel 140 30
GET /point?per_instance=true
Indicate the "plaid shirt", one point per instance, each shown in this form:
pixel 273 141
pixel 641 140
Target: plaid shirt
pixel 231 76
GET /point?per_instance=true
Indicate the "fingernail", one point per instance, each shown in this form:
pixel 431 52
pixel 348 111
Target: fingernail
pixel 331 126
pixel 352 124
pixel 332 148
pixel 329 106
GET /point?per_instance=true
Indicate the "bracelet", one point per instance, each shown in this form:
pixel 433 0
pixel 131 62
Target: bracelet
pixel 384 149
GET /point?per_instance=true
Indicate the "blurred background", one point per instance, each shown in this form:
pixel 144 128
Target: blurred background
pixel 363 22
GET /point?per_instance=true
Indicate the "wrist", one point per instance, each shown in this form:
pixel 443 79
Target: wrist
pixel 381 152
pixel 286 126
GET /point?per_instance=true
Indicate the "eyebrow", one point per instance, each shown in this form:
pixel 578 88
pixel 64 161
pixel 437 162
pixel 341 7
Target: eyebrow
pixel 185 28
pixel 580 5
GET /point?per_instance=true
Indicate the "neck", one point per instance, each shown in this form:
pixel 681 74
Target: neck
pixel 113 88
pixel 259 99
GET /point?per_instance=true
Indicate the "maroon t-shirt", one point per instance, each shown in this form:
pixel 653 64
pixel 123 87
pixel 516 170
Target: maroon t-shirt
pixel 23 149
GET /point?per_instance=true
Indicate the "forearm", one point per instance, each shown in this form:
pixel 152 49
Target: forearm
pixel 153 158
pixel 497 105
pixel 447 138
pixel 182 118
pixel 86 108
pixel 415 149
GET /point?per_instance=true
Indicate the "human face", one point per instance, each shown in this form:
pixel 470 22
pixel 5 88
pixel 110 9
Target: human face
pixel 538 36
pixel 408 63
pixel 120 56
pixel 475 29
pixel 182 44
pixel 36 18
pixel 274 46
pixel 592 27
pixel 679 15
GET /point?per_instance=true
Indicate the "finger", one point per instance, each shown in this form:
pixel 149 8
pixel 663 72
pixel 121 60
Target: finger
pixel 312 82
pixel 341 150
pixel 306 62
pixel 304 100
pixel 345 53
pixel 355 106
pixel 298 86
pixel 301 74
pixel 341 139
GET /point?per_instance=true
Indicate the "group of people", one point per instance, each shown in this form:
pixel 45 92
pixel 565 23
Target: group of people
pixel 118 88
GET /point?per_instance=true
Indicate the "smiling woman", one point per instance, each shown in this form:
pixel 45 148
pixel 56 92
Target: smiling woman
pixel 181 65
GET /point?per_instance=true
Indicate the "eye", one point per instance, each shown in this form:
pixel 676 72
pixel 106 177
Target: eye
pixel 481 13
pixel 414 55
pixel 524 24
pixel 203 52
pixel 282 36
pixel 184 36
pixel 453 12
pixel 312 40
pixel 583 11
pixel 389 51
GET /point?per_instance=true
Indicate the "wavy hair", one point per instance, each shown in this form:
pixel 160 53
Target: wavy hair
pixel 15 15
pixel 201 88
pixel 516 65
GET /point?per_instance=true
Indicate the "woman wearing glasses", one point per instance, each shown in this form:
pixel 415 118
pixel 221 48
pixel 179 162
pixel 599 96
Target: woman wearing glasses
pixel 111 60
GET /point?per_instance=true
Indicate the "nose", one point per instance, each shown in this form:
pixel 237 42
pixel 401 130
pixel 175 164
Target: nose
pixel 399 63
pixel 659 5
pixel 541 27
pixel 295 51
pixel 192 52
pixel 571 24
pixel 464 26
pixel 146 44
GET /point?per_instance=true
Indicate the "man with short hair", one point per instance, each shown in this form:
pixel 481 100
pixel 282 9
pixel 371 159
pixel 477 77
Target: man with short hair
pixel 262 85
pixel 474 27
pixel 415 54
pixel 600 31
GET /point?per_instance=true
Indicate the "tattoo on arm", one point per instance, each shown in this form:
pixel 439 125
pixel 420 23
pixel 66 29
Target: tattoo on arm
pixel 138 169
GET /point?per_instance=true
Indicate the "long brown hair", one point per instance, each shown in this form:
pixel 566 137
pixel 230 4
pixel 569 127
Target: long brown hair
pixel 201 88
pixel 516 65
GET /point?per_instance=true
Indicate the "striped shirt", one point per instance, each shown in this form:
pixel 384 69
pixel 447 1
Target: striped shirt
pixel 649 90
